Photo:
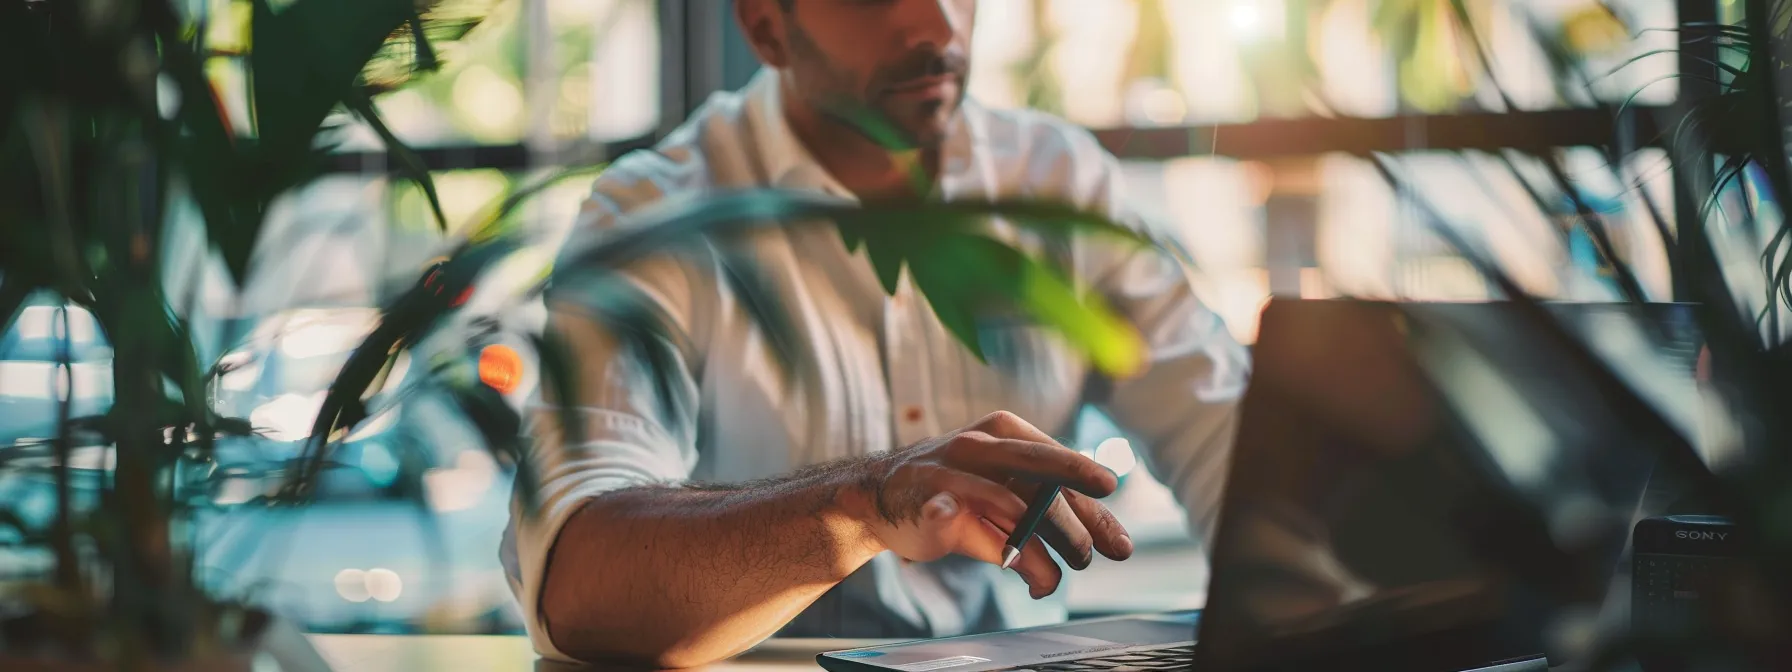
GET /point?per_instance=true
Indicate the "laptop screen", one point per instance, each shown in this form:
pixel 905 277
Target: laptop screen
pixel 1424 486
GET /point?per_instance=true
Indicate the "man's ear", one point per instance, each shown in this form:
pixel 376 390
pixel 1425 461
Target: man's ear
pixel 762 22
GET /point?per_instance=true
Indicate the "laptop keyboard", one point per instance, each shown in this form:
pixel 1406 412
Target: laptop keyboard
pixel 1156 660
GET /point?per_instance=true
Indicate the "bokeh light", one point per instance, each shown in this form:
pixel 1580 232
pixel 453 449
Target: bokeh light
pixel 1116 454
pixel 1247 18
pixel 351 584
pixel 384 585
pixel 487 104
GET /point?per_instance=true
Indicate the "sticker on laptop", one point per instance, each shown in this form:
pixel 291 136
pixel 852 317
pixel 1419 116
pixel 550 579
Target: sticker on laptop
pixel 938 663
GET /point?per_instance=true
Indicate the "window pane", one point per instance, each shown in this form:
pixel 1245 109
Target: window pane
pixel 355 240
pixel 606 76
pixel 360 560
pixel 1107 63
pixel 570 70
pixel 596 79
pixel 1330 226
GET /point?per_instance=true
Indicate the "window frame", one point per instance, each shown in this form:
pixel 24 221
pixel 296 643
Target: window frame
pixel 702 52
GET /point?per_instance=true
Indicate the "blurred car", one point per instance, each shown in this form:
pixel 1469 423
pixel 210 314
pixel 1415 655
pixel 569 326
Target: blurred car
pixel 31 387
pixel 404 531
pixel 277 377
pixel 375 553
pixel 33 390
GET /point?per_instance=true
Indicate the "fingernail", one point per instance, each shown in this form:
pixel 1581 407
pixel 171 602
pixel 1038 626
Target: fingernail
pixel 943 505
pixel 1009 555
pixel 1125 544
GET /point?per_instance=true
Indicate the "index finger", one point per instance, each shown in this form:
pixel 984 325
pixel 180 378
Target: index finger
pixel 1007 425
pixel 996 458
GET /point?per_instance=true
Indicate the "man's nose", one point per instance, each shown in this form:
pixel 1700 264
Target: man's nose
pixel 930 22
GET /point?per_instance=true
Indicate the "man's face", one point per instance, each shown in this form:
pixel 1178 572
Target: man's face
pixel 906 60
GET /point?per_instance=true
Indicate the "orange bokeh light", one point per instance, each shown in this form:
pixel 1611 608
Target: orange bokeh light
pixel 501 368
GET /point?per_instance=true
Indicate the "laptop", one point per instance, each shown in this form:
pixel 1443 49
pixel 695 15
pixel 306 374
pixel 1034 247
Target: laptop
pixel 1395 502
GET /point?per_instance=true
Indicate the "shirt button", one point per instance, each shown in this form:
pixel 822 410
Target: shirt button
pixel 912 413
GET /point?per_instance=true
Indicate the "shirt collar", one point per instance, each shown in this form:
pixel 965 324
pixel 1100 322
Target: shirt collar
pixel 788 164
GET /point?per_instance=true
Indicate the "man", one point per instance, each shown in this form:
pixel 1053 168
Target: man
pixel 832 527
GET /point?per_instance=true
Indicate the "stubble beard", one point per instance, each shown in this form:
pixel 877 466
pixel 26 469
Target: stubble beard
pixel 845 102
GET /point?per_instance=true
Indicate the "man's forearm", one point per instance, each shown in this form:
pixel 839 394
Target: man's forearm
pixel 683 576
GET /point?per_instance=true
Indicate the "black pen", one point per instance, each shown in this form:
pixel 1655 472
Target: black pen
pixel 1029 521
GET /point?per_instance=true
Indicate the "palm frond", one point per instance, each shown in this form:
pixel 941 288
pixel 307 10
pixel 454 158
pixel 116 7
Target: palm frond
pixel 402 323
pixel 1591 367
pixel 764 305
pixel 641 331
pixel 560 391
pixel 491 219
pixel 13 292
pixel 1595 227
pixel 410 166
pixel 894 234
pixel 1741 128
pixel 415 47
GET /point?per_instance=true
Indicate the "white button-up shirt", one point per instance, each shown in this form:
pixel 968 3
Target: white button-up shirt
pixel 885 373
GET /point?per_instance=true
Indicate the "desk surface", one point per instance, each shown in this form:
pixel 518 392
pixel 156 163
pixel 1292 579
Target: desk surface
pixel 501 653
pixel 506 653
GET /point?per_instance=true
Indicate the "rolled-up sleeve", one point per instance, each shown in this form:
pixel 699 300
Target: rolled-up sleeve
pixel 1184 405
pixel 638 416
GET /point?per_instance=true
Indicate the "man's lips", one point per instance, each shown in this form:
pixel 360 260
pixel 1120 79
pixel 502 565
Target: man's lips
pixel 925 85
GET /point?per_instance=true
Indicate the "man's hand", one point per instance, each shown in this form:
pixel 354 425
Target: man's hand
pixel 963 493
pixel 678 577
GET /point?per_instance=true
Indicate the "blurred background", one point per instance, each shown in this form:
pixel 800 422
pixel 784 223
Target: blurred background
pixel 1240 124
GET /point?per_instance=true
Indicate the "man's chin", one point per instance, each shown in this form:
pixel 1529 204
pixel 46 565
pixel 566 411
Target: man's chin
pixel 926 126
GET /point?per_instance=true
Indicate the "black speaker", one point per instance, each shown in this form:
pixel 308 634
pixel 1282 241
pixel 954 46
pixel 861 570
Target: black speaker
pixel 1674 562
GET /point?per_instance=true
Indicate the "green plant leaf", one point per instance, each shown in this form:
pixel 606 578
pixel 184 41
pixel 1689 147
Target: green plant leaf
pixel 426 54
pixel 894 234
pixel 229 189
pixel 966 275
pixel 887 245
pixel 764 306
pixel 13 292
pixel 1595 226
pixel 418 45
pixel 873 125
pixel 641 331
pixel 559 378
pixel 954 311
pixel 1726 175
pixel 408 165
pixel 488 224
pixel 1530 310
pixel 306 58
pixel 682 223
pixel 181 365
pixel 402 323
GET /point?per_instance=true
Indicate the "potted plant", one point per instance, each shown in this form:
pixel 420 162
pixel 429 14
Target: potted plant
pixel 1727 140
pixel 117 122
pixel 111 129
